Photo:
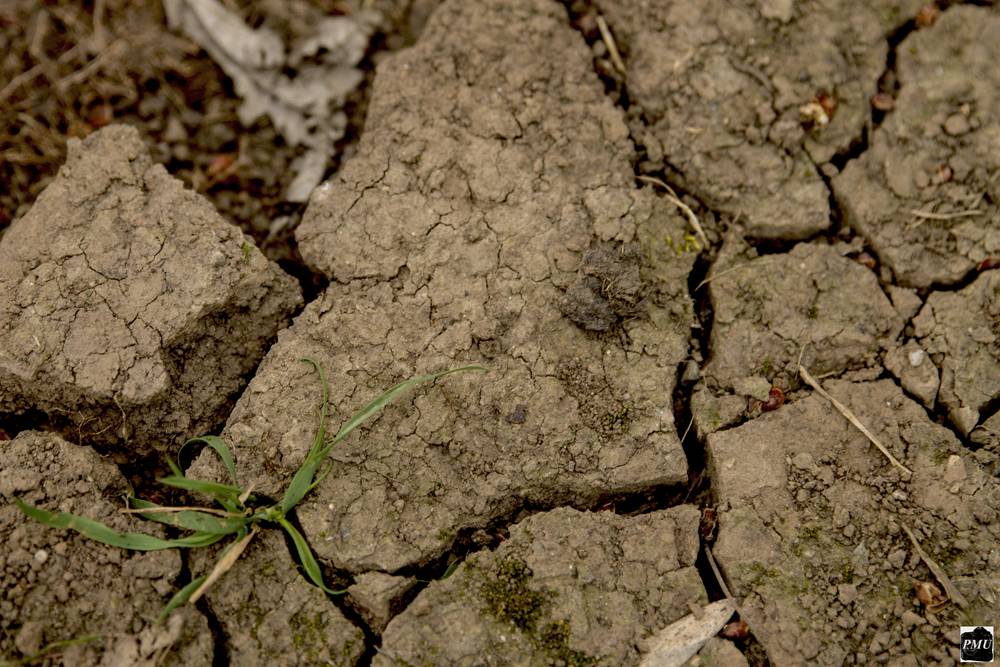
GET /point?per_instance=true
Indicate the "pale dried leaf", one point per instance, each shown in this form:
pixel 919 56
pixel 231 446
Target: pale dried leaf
pixel 305 109
pixel 675 644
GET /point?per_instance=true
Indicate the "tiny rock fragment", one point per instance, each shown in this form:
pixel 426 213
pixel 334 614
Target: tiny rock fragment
pixel 883 101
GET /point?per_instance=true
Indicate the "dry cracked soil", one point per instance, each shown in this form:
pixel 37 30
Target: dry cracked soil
pixel 731 268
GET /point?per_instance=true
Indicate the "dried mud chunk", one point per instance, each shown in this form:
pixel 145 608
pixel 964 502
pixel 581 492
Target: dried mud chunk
pixel 964 327
pixel 376 596
pixel 916 164
pixel 608 288
pixel 57 585
pixel 568 587
pixel 490 162
pixel 720 86
pixel 811 520
pixel 768 308
pixel 128 303
pixel 270 614
pixel 915 371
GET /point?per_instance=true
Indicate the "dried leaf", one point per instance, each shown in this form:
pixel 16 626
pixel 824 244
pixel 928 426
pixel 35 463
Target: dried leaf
pixel 675 644
pixel 305 109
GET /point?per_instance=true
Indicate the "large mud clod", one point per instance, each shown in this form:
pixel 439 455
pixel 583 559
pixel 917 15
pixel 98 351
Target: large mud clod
pixel 812 530
pixel 811 301
pixel 270 615
pixel 568 588
pixel 129 310
pixel 491 163
pixel 927 192
pixel 718 89
pixel 962 330
pixel 57 586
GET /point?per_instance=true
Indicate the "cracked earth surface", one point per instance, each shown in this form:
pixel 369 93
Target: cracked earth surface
pixel 505 206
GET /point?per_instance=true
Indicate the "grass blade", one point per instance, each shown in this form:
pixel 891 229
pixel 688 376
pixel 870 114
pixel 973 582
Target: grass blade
pixel 365 413
pixel 99 532
pixel 180 597
pixel 220 447
pixel 188 519
pixel 212 489
pixel 306 557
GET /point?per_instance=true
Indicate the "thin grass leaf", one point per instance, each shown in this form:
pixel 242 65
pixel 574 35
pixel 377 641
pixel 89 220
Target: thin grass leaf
pixel 193 520
pixel 212 489
pixel 220 447
pixel 180 597
pixel 99 532
pixel 226 561
pixel 306 557
pixel 389 395
pixel 302 481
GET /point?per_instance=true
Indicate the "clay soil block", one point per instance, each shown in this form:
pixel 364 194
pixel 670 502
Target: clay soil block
pixel 129 310
pixel 57 586
pixel 490 216
pixel 568 587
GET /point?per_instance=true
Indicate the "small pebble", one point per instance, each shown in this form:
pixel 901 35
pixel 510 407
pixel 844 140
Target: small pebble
pixel 956 125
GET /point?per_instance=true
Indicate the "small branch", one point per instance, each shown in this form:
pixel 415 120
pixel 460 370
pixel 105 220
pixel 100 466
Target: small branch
pixel 759 262
pixel 718 574
pixel 811 381
pixel 929 215
pixel 676 201
pixel 609 41
pixel 937 570
pixel 224 564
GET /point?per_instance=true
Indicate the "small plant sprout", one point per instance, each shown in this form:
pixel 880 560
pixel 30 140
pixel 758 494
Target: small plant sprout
pixel 236 516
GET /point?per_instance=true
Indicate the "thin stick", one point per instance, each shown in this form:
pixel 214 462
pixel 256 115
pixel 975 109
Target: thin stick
pixel 609 41
pixel 811 381
pixel 929 215
pixel 718 574
pixel 936 569
pixel 759 261
pixel 224 564
pixel 675 200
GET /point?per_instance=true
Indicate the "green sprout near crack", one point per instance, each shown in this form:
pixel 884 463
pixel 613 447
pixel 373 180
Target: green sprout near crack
pixel 236 516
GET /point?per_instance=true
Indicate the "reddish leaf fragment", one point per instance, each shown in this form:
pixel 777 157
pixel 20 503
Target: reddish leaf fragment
pixel 775 399
pixel 736 630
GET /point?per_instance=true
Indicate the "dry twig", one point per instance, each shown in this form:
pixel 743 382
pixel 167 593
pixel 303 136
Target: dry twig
pixel 609 41
pixel 811 381
pixel 937 570
pixel 676 201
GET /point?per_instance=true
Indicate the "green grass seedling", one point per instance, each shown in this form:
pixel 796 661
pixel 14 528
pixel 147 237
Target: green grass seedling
pixel 235 516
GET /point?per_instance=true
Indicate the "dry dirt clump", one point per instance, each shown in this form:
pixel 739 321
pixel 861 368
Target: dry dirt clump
pixel 719 90
pixel 271 615
pixel 58 586
pixel 492 162
pixel 568 587
pixel 812 530
pixel 961 332
pixel 767 309
pixel 926 193
pixel 129 310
